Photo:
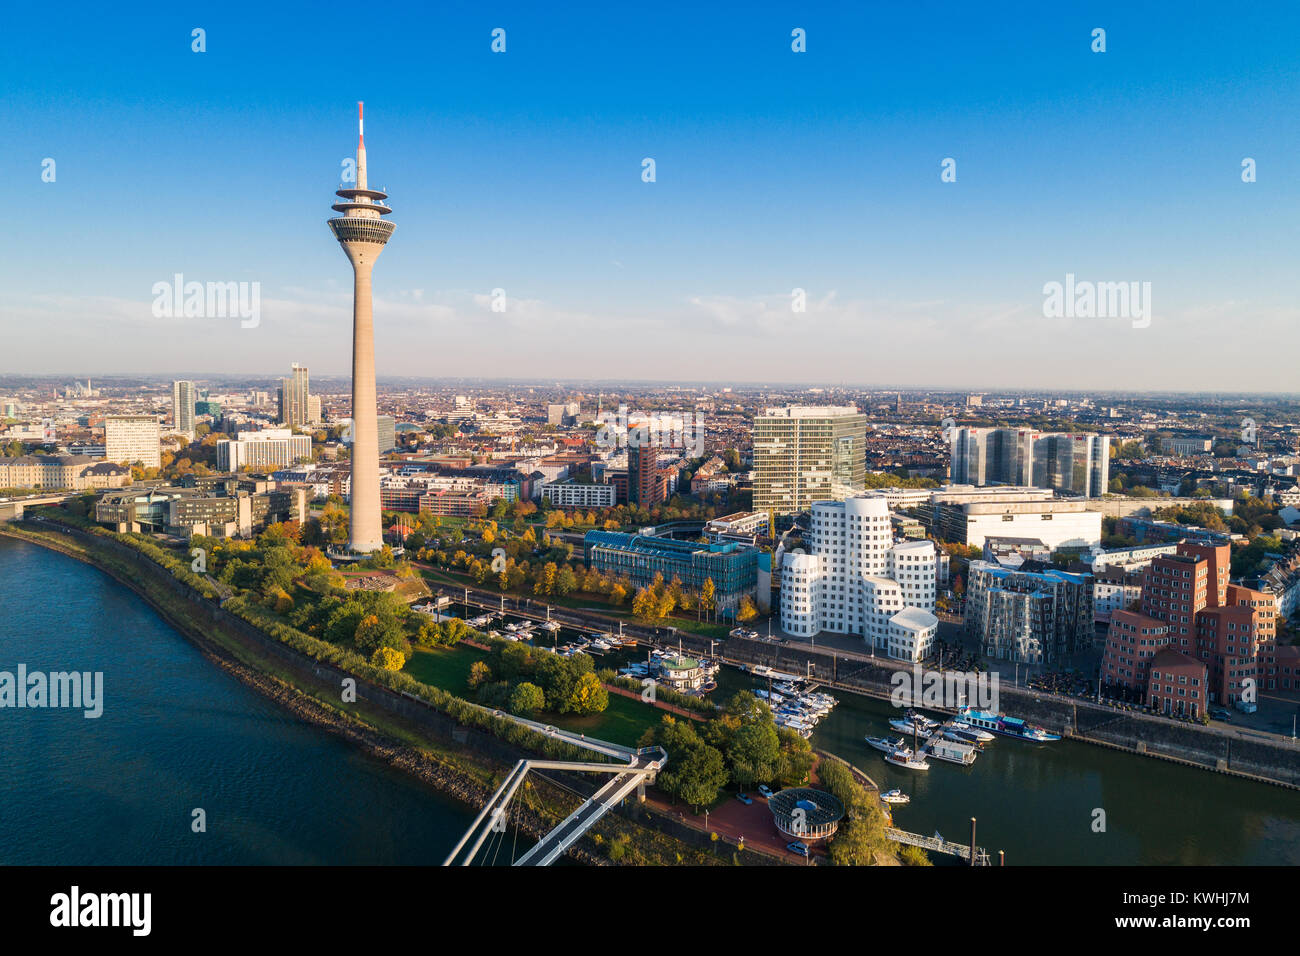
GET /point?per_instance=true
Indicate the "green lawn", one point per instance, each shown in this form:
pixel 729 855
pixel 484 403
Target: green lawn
pixel 623 722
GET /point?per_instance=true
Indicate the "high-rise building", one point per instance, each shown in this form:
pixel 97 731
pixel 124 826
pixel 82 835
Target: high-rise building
pixel 387 426
pixel 295 396
pixel 184 395
pixel 1074 463
pixel 804 454
pixel 362 232
pixel 133 438
pixel 645 483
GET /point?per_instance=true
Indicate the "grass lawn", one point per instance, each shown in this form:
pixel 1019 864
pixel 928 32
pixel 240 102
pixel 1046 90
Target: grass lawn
pixel 623 722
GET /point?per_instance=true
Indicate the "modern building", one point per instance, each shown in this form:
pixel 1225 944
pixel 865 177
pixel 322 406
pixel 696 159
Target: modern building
pixel 129 439
pixel 804 454
pixel 645 480
pixel 184 399
pixel 853 578
pixel 911 634
pixel 1072 463
pixel 294 397
pixel 218 506
pixel 1031 617
pixel 732 567
pixel 1127 559
pixel 565 414
pixel 387 426
pixel 1057 524
pixel 572 494
pixel 264 450
pixel 362 232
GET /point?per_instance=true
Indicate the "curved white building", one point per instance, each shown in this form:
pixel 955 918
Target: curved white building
pixel 854 579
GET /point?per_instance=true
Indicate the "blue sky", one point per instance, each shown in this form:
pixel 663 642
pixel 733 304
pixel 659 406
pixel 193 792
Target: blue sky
pixel 775 170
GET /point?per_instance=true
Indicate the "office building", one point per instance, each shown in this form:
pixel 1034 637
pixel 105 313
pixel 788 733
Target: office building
pixel 804 454
pixel 645 481
pixel 184 399
pixel 129 439
pixel 387 430
pixel 1070 463
pixel 572 494
pixel 264 450
pixel 732 567
pixel 294 397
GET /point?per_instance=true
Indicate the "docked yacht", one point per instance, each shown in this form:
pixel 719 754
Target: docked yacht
pixel 884 744
pixel 953 752
pixel 962 732
pixel 896 797
pixel 904 757
pixel 914 723
pixel 551 626
pixel 1007 726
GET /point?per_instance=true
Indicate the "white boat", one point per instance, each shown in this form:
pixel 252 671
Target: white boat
pixel 772 697
pixel 512 627
pixel 599 645
pixel 964 733
pixel 786 687
pixel 550 625
pixel 896 797
pixel 760 670
pixel 914 725
pixel 635 669
pixel 905 758
pixel 884 744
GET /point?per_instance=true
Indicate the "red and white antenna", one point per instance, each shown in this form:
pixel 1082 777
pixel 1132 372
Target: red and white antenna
pixel 361 125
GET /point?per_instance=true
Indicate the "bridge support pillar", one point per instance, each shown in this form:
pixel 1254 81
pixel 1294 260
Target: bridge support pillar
pixel 640 791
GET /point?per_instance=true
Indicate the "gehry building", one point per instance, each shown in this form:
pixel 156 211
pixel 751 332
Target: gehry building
pixel 855 580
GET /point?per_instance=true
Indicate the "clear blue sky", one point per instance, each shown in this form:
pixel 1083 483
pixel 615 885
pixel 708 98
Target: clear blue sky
pixel 775 170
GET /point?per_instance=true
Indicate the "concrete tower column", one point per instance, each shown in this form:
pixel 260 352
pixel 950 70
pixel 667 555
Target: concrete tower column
pixel 362 232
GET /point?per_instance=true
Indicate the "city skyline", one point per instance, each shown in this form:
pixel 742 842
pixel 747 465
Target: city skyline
pixel 910 281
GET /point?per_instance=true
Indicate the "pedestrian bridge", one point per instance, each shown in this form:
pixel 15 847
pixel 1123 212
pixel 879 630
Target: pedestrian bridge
pixel 938 844
pixel 640 768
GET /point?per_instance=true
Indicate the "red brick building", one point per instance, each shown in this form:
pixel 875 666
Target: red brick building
pixel 1176 684
pixel 1224 628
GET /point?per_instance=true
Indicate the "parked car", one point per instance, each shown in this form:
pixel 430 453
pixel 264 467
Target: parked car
pixel 798 847
pixel 1218 713
pixel 765 791
pixel 744 798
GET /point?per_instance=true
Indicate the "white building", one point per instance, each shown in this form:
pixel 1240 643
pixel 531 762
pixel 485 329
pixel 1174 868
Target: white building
pixel 571 494
pixel 133 438
pixel 854 579
pixel 1127 559
pixel 271 448
pixel 911 634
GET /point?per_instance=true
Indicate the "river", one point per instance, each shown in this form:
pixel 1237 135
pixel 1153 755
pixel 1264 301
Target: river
pixel 178 733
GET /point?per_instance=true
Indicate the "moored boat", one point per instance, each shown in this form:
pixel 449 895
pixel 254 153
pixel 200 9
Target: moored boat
pixel 1006 726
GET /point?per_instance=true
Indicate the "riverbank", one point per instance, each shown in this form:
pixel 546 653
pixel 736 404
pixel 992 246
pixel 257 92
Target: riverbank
pixel 463 762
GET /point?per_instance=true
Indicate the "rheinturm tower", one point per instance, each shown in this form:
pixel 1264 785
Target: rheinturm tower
pixel 362 232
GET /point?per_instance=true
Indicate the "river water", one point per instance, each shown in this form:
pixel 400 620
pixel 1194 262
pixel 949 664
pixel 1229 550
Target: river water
pixel 177 733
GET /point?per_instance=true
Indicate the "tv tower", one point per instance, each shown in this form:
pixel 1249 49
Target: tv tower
pixel 362 233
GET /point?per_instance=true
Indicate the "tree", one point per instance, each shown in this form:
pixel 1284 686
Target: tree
pixel 388 659
pixel 708 595
pixel 527 699
pixel 588 696
pixel 747 610
pixel 695 775
pixel 479 674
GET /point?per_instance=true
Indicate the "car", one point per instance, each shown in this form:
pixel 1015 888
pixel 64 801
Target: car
pixel 745 798
pixel 1218 713
pixel 798 846
pixel 765 791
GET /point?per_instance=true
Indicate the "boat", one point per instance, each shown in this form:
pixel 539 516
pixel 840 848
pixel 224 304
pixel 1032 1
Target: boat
pixel 915 724
pixel 512 627
pixel 896 797
pixel 953 752
pixel 760 670
pixel 904 757
pixel 549 625
pixel 635 669
pixel 964 733
pixel 884 744
pixel 787 687
pixel 772 697
pixel 599 645
pixel 1006 726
